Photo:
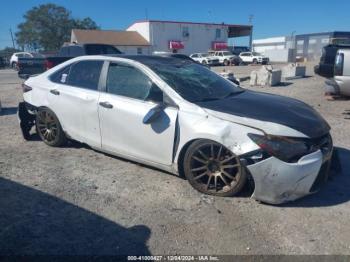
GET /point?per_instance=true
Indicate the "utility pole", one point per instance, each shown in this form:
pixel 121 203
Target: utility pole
pixel 250 20
pixel 146 13
pixel 13 41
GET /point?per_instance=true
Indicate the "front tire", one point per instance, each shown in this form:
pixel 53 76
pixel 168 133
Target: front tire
pixel 49 128
pixel 212 169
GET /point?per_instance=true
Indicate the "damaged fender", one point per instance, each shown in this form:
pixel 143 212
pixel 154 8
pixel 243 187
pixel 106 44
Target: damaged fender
pixel 233 136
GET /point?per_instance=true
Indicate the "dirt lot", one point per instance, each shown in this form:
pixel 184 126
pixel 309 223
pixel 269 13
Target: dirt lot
pixel 74 200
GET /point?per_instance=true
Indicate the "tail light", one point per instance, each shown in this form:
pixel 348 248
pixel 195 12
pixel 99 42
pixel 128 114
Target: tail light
pixel 339 64
pixel 48 64
pixel 26 88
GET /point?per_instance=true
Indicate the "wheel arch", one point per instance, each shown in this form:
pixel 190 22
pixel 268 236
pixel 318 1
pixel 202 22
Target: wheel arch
pixel 181 156
pixel 182 151
pixel 62 126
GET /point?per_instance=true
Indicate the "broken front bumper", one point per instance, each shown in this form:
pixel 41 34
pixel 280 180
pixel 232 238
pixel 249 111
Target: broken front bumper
pixel 277 182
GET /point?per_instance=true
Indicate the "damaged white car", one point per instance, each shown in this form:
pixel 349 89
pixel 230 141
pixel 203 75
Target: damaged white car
pixel 179 116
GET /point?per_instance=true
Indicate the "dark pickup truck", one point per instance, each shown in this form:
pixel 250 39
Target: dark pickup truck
pixel 325 67
pixel 31 66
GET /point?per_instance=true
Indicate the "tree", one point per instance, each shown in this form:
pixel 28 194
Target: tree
pixel 86 23
pixel 48 26
pixel 8 51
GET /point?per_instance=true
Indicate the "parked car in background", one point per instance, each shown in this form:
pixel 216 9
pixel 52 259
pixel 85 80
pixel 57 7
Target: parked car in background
pixel 253 58
pixel 2 62
pixel 180 116
pixel 36 65
pixel 325 67
pixel 177 55
pixel 340 83
pixel 225 57
pixel 205 59
pixel 16 56
pixel 236 50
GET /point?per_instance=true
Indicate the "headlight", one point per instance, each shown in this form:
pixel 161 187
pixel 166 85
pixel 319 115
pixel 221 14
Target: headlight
pixel 284 148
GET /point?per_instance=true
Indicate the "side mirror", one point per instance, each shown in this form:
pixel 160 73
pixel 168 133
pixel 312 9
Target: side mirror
pixel 153 114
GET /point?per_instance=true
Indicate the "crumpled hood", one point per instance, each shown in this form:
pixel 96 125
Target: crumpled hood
pixel 256 108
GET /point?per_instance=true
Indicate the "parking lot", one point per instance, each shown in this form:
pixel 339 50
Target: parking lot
pixel 74 200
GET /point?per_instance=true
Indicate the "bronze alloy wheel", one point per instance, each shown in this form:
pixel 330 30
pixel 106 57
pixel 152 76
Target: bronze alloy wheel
pixel 49 128
pixel 213 169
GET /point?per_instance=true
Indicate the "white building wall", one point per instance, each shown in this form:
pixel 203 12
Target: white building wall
pixel 142 28
pixel 272 43
pixel 200 39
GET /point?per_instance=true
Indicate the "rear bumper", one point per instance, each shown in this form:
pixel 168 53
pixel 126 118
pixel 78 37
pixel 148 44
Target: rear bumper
pixel 26 119
pixel 337 86
pixel 277 182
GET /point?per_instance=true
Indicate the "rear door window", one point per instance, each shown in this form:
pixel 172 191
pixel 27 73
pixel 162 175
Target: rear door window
pixel 60 76
pixel 85 74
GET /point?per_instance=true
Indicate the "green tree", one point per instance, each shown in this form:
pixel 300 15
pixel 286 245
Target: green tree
pixel 48 26
pixel 8 51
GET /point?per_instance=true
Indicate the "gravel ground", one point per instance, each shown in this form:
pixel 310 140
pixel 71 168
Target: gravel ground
pixel 74 200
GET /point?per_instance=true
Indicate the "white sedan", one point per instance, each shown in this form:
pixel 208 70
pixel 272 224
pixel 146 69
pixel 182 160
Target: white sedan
pixel 181 117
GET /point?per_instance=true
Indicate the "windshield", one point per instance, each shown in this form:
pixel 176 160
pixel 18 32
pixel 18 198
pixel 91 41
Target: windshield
pixel 256 54
pixel 204 55
pixel 194 82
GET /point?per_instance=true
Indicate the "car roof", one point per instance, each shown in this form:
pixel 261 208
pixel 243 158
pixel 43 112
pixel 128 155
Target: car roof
pixel 153 59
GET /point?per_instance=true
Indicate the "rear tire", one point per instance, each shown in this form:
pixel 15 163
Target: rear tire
pixel 255 61
pixel 212 169
pixel 49 128
pixel 14 66
pixel 226 62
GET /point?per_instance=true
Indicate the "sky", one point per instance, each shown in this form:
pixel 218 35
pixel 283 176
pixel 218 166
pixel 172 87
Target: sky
pixel 270 17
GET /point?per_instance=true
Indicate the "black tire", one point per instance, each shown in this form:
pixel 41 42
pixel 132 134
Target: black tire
pixel 226 62
pixel 212 169
pixel 255 61
pixel 204 62
pixel 49 128
pixel 14 65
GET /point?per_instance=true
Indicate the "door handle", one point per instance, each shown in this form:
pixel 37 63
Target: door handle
pixel 106 104
pixel 55 92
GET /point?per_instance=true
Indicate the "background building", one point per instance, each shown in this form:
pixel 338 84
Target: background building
pixel 128 42
pixel 188 37
pixel 305 46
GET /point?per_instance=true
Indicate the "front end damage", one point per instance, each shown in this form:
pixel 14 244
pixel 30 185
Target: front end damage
pixel 278 181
